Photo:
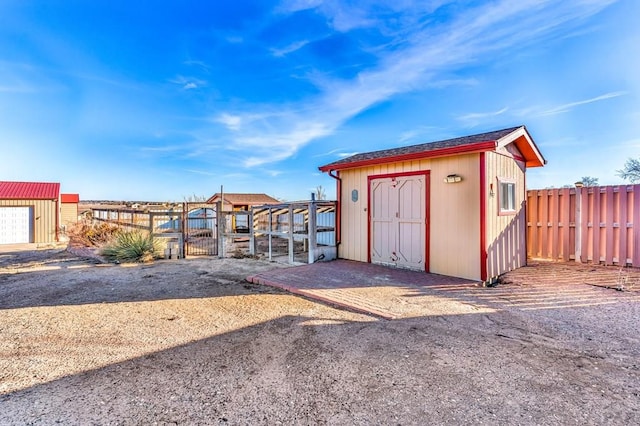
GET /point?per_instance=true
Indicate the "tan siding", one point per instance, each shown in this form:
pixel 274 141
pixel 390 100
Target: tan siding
pixel 455 217
pixel 44 214
pixel 454 209
pixel 506 245
pixel 68 214
pixel 354 244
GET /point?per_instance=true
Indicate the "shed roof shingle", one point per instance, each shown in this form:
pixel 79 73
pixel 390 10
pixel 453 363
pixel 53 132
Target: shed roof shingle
pixel 29 190
pixel 445 146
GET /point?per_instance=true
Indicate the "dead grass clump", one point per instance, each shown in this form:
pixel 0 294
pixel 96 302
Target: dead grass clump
pixel 91 234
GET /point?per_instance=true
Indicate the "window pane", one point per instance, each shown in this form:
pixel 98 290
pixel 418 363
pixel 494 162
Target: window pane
pixel 507 196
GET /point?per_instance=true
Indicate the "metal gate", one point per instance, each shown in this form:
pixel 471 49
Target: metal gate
pixel 200 229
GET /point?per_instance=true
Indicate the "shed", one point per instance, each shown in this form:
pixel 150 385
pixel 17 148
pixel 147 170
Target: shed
pixel 241 201
pixel 29 212
pixel 454 207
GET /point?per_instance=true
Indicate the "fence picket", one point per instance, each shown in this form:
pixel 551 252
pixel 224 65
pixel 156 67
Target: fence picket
pixel 595 225
pixel 623 196
pixel 584 211
pixel 554 218
pixel 608 238
pixel 544 228
pixel 565 218
pixel 636 226
pixel 532 204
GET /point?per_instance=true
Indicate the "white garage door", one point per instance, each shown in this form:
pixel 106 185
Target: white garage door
pixel 15 225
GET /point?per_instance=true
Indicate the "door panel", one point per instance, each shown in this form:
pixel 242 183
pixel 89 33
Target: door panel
pixel 382 220
pixel 15 225
pixel 411 222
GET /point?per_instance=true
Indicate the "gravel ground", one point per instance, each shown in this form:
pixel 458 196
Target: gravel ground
pixel 190 342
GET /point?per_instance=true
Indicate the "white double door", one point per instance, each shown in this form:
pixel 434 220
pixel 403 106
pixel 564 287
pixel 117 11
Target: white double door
pixel 398 221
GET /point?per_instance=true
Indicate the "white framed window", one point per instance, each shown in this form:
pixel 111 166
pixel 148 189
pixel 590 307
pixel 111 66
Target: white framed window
pixel 507 196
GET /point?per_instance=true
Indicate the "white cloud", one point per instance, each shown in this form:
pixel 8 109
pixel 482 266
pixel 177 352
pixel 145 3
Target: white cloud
pixel 289 49
pixel 200 64
pixel 232 122
pixel 201 172
pixel 568 107
pixel 188 83
pixel 347 154
pixel 279 146
pixel 333 151
pixel 428 51
pixel 441 84
pixel 475 118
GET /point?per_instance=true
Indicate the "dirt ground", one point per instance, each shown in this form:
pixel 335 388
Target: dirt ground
pixel 191 342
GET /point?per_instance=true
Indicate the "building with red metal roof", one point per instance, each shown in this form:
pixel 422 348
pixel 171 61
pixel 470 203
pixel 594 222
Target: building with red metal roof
pixel 29 190
pixel 29 212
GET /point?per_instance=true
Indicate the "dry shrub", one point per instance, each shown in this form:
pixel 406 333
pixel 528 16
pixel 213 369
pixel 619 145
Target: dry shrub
pixel 91 234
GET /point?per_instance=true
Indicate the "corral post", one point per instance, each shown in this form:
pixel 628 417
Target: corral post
pixel 252 241
pixel 312 230
pixel 270 231
pixel 290 217
pixel 183 228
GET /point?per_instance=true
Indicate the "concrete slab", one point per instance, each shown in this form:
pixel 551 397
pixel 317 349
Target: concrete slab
pixel 372 289
pixel 15 248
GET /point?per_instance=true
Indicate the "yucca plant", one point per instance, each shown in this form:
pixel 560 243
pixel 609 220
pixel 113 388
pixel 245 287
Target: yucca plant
pixel 134 246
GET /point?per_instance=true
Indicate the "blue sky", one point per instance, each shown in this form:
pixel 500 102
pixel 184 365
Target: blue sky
pixel 164 100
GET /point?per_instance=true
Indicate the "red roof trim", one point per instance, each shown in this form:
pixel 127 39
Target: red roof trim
pixel 69 198
pixel 464 149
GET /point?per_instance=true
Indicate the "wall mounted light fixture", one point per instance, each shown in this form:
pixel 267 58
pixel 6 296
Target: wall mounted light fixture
pixel 453 178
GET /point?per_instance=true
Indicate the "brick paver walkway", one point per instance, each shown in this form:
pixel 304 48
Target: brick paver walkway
pixel 396 293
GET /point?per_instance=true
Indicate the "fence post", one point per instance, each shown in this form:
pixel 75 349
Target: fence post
pixel 220 219
pixel 252 241
pixel 291 245
pixel 270 227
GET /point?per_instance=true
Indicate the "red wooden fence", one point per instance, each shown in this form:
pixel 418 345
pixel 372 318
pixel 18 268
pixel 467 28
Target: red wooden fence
pixel 595 224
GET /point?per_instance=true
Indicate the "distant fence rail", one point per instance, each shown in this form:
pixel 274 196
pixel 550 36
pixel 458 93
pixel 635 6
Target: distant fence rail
pixel 599 224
